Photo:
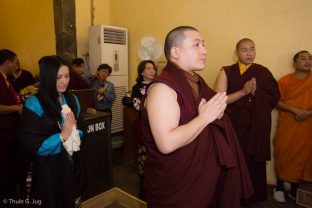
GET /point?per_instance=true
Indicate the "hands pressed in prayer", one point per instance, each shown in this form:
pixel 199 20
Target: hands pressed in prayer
pixel 67 127
pixel 250 87
pixel 214 108
pixel 101 90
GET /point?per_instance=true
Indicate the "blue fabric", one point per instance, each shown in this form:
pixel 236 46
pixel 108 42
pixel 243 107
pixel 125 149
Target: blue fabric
pixel 108 97
pixel 51 145
pixel 32 103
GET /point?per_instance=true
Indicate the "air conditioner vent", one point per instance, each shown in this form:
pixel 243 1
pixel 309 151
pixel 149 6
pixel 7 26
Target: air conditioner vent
pixel 114 36
pixel 117 109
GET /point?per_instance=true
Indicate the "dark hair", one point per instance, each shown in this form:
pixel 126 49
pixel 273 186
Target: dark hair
pixel 6 54
pixel 141 68
pixel 78 61
pixel 243 40
pixel 175 38
pixel 105 66
pixel 296 56
pixel 47 94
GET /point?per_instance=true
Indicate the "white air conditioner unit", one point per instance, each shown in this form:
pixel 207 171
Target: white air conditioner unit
pixel 109 44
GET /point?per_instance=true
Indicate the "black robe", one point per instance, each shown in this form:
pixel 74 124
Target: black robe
pixel 56 179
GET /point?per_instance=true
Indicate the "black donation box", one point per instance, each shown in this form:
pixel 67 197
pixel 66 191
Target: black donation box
pixel 96 153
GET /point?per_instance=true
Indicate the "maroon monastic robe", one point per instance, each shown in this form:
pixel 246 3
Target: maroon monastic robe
pixel 251 118
pixel 76 82
pixel 8 142
pixel 8 122
pixel 251 115
pixel 208 172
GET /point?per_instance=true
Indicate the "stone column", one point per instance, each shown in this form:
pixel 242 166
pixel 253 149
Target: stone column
pixel 65 29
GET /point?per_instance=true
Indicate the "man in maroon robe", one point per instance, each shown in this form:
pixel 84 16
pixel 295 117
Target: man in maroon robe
pixel 9 119
pixel 21 78
pixel 76 82
pixel 193 155
pixel 252 94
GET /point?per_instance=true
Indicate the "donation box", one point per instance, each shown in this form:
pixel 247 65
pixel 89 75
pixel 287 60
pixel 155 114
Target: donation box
pixel 96 154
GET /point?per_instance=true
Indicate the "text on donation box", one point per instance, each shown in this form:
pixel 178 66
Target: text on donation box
pixel 95 127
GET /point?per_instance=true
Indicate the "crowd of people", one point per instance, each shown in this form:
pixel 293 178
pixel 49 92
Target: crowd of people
pixel 172 112
pixel 44 133
pixel 195 144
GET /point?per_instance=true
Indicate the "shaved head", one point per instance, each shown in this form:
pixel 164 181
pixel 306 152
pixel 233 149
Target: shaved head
pixel 175 38
pixel 242 41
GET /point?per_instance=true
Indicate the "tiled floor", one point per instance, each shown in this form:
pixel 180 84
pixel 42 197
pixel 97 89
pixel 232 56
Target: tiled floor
pixel 125 177
pixel 125 174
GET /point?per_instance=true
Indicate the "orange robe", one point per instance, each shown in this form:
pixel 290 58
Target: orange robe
pixel 293 139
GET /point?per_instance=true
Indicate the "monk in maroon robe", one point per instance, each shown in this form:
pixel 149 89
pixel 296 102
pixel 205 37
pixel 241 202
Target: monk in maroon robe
pixel 193 155
pixel 77 82
pixel 252 94
pixel 9 119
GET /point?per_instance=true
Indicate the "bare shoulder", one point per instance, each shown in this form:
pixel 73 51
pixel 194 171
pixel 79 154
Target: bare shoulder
pixel 160 89
pixel 221 82
pixel 222 72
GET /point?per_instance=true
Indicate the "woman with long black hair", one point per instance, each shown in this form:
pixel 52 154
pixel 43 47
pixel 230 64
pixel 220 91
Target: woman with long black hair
pixel 57 176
